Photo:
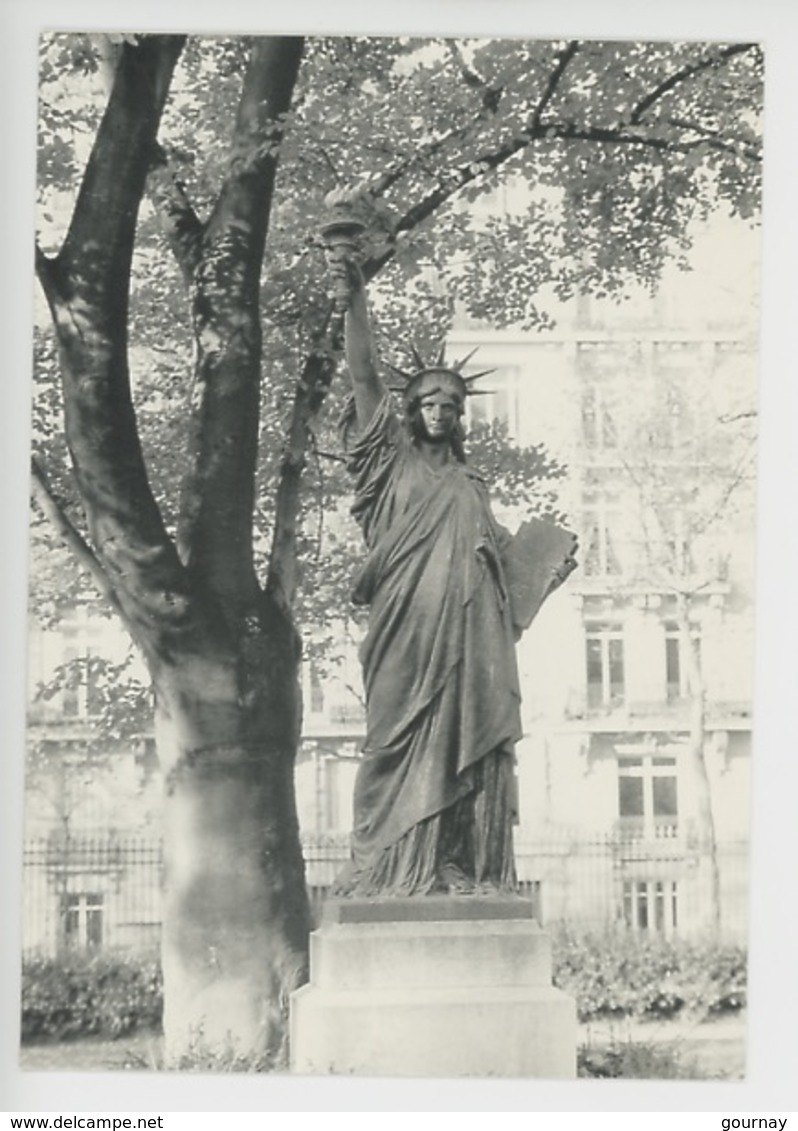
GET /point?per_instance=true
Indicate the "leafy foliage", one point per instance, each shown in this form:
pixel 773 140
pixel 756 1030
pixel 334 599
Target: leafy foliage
pixel 621 974
pixel 618 148
pixel 79 995
pixel 119 703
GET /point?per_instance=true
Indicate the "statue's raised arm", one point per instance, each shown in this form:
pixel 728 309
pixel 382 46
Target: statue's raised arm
pixel 367 387
pixel 340 232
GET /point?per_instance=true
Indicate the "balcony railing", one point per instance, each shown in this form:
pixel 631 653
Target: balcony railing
pixel 671 710
pixel 648 828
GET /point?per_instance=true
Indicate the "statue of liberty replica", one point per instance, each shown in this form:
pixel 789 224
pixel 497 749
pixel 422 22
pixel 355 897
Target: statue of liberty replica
pixel 449 592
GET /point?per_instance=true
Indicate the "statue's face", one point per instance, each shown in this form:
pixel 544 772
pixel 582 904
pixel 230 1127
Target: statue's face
pixel 438 414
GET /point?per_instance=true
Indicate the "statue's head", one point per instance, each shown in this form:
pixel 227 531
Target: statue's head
pixel 434 411
pixel 434 397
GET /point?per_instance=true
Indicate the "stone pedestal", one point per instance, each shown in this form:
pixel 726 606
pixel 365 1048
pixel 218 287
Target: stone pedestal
pixel 449 986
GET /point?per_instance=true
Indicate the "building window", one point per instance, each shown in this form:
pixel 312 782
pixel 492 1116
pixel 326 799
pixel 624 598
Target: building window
pixel 677 531
pixel 499 402
pixel 70 696
pixel 316 690
pixel 600 522
pixel 651 905
pixel 605 669
pixel 81 695
pixel 676 666
pixel 674 363
pixel 82 918
pixel 648 803
pixel 598 423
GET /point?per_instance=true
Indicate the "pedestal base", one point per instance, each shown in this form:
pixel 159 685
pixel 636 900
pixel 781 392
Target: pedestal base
pixel 459 986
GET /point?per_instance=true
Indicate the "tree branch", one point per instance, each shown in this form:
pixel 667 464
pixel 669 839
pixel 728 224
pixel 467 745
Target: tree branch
pixel 182 227
pixel 567 131
pixel 119 160
pixel 447 189
pixel 52 509
pixel 685 73
pixel 87 288
pixel 713 139
pixel 311 391
pixel 218 493
pixel 538 128
pixel 44 270
pixel 565 57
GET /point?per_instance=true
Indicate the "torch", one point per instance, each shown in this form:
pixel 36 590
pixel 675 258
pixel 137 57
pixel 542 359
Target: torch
pixel 340 231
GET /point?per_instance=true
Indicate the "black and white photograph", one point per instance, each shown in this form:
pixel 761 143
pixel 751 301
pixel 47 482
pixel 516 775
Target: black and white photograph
pixel 392 557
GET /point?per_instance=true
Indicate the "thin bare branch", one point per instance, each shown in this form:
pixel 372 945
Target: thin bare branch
pixel 54 511
pixel 732 418
pixel 311 391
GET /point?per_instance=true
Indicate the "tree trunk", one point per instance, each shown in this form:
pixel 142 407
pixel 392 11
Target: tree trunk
pixel 223 654
pixel 707 839
pixel 236 916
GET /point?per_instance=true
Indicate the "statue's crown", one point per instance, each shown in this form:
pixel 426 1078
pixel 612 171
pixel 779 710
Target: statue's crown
pixel 451 375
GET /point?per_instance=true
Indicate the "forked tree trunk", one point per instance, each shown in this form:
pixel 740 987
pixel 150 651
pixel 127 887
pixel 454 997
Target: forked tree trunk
pixel 223 654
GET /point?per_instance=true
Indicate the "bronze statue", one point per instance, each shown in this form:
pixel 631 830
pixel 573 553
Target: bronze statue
pixel 434 798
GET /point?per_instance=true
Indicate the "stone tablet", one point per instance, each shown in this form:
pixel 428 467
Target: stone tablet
pixel 537 551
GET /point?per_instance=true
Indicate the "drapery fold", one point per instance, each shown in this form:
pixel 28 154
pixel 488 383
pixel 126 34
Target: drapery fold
pixel 436 781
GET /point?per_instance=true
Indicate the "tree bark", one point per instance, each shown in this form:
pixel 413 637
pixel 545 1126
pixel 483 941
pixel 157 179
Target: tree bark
pixel 696 691
pixel 236 916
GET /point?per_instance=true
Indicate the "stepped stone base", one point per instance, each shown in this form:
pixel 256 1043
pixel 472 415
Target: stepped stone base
pixel 450 986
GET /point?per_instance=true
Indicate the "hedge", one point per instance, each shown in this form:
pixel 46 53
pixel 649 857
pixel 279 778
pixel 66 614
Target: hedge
pixel 80 995
pixel 611 975
pixel 621 974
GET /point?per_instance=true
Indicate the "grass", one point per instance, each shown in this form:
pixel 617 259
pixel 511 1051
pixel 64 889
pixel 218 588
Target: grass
pixel 708 1052
pixel 141 1053
pixel 674 1050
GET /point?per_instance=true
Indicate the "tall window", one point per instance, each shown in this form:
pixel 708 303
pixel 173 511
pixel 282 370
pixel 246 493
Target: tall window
pixel 316 690
pixel 80 694
pixel 598 423
pixel 82 919
pixel 71 694
pixel 500 400
pixel 676 663
pixel 651 905
pixel 600 524
pixel 605 669
pixel 648 801
pixel 674 365
pixel 678 538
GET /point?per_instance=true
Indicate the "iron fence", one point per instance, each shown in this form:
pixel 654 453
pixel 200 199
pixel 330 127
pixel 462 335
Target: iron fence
pixel 84 892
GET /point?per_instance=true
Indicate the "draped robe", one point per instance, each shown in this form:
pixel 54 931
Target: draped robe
pixel 434 794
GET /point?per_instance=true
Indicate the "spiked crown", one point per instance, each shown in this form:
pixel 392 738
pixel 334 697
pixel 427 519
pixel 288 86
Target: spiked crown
pixel 450 375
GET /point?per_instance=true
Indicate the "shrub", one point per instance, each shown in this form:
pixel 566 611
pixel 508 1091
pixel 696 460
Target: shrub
pixel 616 974
pixel 622 974
pixel 79 995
